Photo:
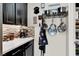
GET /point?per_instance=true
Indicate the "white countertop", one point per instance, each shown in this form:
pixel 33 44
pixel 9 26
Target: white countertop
pixel 10 45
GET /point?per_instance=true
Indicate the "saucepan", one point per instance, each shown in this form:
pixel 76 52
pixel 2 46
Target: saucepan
pixel 62 26
pixel 52 30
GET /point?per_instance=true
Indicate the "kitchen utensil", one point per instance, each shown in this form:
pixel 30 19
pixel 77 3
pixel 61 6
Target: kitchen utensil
pixel 52 29
pixel 22 33
pixel 47 12
pixel 61 9
pixel 62 26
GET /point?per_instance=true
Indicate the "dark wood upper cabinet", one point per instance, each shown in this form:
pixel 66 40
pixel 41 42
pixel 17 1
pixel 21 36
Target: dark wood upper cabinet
pixel 21 13
pixel 9 13
pixel 15 13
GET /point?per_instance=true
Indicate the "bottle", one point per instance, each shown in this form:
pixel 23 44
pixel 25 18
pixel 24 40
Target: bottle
pixel 22 34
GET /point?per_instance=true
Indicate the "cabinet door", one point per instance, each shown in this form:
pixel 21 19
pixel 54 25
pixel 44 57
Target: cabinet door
pixel 29 48
pixel 9 13
pixel 29 51
pixel 21 13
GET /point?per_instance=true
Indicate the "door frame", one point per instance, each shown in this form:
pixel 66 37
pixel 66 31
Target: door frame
pixel 71 30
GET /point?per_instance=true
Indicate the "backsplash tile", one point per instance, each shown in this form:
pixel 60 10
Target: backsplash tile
pixel 10 29
pixel 16 29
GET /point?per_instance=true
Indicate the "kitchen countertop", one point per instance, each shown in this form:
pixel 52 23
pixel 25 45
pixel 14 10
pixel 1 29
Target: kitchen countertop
pixel 10 45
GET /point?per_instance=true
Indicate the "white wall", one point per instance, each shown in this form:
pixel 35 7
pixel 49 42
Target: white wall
pixel 30 23
pixel 56 44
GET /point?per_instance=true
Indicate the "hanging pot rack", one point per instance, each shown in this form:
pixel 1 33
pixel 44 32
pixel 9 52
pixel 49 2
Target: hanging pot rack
pixel 55 13
pixel 58 15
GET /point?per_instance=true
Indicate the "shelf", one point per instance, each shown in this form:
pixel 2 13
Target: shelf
pixel 77 26
pixel 77 9
pixel 77 40
pixel 77 22
pixel 77 30
pixel 58 15
pixel 77 48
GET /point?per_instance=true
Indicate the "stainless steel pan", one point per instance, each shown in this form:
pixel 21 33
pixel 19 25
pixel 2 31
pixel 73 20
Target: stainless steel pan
pixel 52 30
pixel 62 26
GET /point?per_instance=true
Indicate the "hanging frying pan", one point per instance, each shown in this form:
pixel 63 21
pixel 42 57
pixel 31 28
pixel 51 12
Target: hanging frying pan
pixel 52 29
pixel 62 26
